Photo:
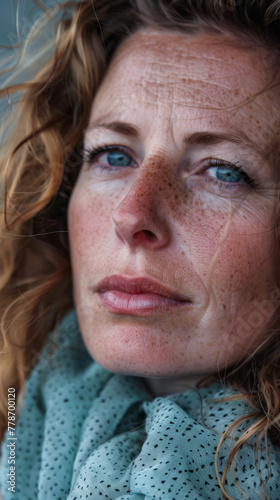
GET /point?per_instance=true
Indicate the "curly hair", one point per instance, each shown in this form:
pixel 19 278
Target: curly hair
pixel 49 94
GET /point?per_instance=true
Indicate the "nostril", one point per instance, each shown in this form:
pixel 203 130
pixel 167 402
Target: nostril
pixel 150 235
pixel 143 235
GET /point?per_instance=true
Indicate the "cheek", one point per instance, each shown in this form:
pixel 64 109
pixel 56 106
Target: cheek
pixel 89 220
pixel 231 250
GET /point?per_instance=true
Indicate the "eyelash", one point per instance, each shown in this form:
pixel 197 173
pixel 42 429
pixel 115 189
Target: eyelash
pixel 89 156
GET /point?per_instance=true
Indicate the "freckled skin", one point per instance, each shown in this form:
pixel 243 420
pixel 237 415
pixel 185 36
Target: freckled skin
pixel 205 241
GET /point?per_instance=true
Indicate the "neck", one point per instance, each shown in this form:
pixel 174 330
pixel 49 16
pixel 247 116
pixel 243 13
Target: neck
pixel 163 386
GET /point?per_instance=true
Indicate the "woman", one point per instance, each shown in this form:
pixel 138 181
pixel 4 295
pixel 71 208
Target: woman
pixel 150 132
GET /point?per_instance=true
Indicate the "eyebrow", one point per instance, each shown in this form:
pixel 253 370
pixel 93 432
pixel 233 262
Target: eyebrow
pixel 204 138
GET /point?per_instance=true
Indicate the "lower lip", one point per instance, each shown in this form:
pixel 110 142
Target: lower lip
pixel 143 304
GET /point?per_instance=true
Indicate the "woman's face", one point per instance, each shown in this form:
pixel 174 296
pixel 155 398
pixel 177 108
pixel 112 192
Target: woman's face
pixel 165 201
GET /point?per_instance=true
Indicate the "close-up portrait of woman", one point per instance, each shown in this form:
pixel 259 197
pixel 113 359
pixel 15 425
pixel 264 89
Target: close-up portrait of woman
pixel 140 252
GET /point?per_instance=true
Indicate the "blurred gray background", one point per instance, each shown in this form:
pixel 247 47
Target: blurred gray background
pixel 7 19
pixel 27 13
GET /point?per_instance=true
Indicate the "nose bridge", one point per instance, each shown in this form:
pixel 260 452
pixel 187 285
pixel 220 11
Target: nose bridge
pixel 149 185
pixel 142 208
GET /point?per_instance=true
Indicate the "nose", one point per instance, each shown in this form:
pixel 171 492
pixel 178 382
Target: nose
pixel 140 219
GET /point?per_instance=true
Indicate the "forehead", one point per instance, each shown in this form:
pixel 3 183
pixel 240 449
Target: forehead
pixel 201 77
pixel 149 60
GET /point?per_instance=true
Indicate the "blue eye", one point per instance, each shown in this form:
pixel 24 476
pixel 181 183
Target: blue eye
pixel 114 156
pixel 226 174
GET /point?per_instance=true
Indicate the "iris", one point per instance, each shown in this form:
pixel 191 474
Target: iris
pixel 117 159
pixel 225 174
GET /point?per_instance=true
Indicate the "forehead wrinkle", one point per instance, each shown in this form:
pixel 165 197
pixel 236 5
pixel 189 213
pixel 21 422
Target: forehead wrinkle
pixel 152 76
pixel 168 63
pixel 186 47
pixel 149 55
pixel 189 85
pixel 184 95
pixel 162 87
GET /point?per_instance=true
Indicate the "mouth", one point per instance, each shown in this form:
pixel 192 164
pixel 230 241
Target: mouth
pixel 138 296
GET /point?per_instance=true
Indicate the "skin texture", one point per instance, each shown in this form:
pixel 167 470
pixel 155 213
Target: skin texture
pixel 165 216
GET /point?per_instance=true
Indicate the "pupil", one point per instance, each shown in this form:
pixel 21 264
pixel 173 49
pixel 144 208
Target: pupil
pixel 118 159
pixel 224 174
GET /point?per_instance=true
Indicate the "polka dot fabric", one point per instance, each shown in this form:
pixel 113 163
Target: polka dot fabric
pixel 85 433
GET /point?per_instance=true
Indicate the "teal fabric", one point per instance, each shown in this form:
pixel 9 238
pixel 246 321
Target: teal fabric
pixel 86 433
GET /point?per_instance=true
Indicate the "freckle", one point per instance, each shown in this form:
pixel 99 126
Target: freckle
pixel 183 253
pixel 169 184
pixel 200 357
pixel 224 306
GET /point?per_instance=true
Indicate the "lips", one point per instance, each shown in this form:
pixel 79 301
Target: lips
pixel 137 286
pixel 138 296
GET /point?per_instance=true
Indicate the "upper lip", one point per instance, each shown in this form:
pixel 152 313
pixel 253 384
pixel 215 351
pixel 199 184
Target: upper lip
pixel 139 285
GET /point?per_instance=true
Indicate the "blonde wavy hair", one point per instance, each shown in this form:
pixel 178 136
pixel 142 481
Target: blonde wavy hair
pixel 47 93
